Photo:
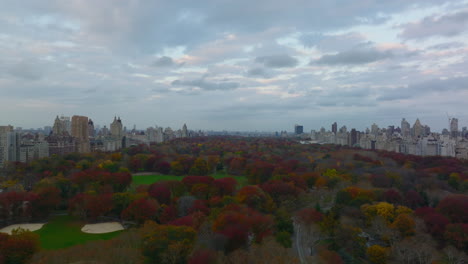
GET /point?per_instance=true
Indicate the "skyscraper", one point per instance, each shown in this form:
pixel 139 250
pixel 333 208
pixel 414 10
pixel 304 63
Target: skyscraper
pixel 79 130
pixel 354 137
pixel 116 128
pixel 117 133
pixel 334 128
pixel 418 129
pixel 59 127
pixel 91 131
pixel 4 153
pixel 454 127
pixel 298 129
pixel 184 131
pixel 405 128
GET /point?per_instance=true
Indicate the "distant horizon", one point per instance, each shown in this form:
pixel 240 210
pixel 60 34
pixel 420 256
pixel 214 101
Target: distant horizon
pixel 349 125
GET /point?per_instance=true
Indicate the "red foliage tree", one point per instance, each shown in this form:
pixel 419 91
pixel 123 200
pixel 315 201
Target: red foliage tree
pixel 237 166
pixel 278 190
pixel 200 206
pixel 141 210
pixel 47 199
pixel 237 223
pixel 162 167
pixel 225 186
pixel 161 192
pixel 18 247
pixel 203 256
pixel 435 224
pixel 190 181
pixel 392 196
pixel 309 216
pixel 455 207
pixel 253 196
pixel 457 234
pixel 121 180
pixel 259 172
pixel 169 213
pixel 413 199
pixel 91 206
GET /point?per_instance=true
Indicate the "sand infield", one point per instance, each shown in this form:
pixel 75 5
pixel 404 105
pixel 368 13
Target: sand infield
pixel 102 228
pixel 27 226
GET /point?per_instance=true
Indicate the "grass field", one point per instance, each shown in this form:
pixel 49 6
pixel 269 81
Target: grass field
pixel 65 231
pixel 149 179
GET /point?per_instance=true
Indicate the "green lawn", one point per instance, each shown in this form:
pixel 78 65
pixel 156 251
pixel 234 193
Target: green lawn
pixel 149 179
pixel 65 231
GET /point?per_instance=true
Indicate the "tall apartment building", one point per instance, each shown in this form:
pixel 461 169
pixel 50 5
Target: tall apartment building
pixel 91 131
pixel 79 130
pixel 454 127
pixel 298 129
pixel 4 153
pixel 405 128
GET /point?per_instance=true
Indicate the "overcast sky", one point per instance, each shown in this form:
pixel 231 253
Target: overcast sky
pixel 236 65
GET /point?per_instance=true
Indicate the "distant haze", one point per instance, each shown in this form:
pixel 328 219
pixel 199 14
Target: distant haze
pixel 234 65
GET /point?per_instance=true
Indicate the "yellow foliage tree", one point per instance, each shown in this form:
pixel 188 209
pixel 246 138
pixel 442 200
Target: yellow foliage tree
pixel 377 254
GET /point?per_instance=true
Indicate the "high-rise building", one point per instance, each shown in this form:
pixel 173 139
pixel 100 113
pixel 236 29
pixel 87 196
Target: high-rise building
pixel 116 128
pixel 4 131
pixel 184 131
pixel 117 133
pixel 66 123
pixel 454 127
pixel 334 128
pixel 375 129
pixel 59 127
pixel 298 129
pixel 79 130
pixel 405 128
pixel 91 131
pixel 418 129
pixel 354 137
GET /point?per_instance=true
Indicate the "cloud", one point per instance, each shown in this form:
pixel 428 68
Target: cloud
pixel 277 61
pixel 326 42
pixel 350 57
pixel 257 72
pixel 447 26
pixel 163 61
pixel 206 85
pixel 425 88
pixel 447 45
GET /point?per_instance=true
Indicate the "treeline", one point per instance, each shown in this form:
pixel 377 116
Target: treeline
pixel 340 205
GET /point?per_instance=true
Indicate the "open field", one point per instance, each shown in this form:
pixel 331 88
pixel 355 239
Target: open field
pixel 65 231
pixel 152 178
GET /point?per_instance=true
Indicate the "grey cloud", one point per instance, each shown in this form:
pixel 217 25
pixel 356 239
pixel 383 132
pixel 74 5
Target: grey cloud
pixel 149 26
pixel 429 86
pixel 163 61
pixel 358 56
pixel 332 42
pixel 277 61
pixel 206 85
pixel 447 26
pixel 258 72
pixel 447 45
pixel 25 69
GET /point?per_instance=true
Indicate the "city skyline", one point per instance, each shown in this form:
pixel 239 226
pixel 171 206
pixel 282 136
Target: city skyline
pixel 306 127
pixel 236 65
